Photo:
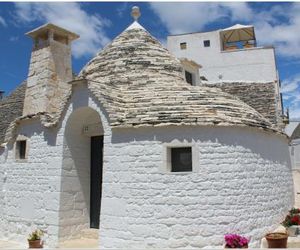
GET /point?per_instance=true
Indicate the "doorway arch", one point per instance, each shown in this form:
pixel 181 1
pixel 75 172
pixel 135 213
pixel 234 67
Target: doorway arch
pixel 78 211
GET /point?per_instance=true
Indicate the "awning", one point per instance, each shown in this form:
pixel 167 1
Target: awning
pixel 238 32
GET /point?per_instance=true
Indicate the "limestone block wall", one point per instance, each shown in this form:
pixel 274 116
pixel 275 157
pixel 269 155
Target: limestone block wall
pixel 75 185
pixel 75 177
pixel 47 82
pixel 296 176
pixel 39 74
pixel 50 189
pixel 295 154
pixel 31 187
pixel 242 184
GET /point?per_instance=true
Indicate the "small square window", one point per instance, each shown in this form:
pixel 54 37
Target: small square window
pixel 182 45
pixel 189 77
pixel 21 149
pixel 181 159
pixel 206 43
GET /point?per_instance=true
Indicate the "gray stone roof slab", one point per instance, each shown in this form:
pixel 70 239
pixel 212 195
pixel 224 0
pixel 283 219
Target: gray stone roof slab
pixel 11 107
pixel 141 84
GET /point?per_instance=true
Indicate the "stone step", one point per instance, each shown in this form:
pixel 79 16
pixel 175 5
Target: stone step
pixel 80 243
pixel 90 233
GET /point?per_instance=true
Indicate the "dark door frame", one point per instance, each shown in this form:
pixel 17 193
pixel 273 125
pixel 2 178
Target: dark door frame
pixel 96 180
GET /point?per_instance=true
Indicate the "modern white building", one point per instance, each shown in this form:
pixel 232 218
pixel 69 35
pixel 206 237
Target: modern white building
pixel 129 148
pixel 229 54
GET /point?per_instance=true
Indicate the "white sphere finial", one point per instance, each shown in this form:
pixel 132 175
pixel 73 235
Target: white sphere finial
pixel 135 13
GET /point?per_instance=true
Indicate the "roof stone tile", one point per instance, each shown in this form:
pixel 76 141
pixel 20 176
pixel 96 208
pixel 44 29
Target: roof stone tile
pixel 141 84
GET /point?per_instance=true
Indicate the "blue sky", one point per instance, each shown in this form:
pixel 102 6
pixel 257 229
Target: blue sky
pixel 99 22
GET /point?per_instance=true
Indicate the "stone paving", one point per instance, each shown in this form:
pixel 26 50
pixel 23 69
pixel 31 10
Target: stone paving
pixel 10 245
pixel 293 242
pixel 77 243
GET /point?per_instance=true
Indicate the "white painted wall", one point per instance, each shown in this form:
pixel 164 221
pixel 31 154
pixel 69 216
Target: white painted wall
pixel 41 191
pixel 30 189
pixel 296 177
pixel 295 154
pixel 242 183
pixel 75 175
pixel 254 64
pixel 289 128
pixel 75 180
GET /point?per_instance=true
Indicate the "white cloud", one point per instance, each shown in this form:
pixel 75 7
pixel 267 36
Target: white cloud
pixel 290 85
pixel 193 16
pixel 278 26
pixel 2 21
pixel 121 9
pixel 285 36
pixel 13 38
pixel 183 17
pixel 72 17
pixel 291 90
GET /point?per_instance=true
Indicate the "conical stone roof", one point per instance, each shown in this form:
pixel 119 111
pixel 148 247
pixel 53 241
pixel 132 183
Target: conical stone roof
pixel 140 83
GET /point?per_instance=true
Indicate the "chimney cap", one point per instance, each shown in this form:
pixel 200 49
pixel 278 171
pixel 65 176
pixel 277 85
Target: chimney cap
pixel 56 29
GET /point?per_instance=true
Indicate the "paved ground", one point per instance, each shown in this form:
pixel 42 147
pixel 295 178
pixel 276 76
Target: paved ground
pixel 90 242
pixel 80 243
pixel 10 245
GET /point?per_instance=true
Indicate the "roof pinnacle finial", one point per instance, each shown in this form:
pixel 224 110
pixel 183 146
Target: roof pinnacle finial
pixel 135 13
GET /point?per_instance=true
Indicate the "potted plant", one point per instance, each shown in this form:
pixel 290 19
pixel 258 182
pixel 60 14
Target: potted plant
pixel 292 222
pixel 277 240
pixel 35 239
pixel 235 241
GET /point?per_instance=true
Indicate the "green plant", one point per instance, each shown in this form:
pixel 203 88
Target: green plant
pixel 36 235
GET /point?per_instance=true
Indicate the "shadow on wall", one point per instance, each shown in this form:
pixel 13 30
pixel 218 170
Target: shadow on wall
pixel 34 127
pixel 257 142
pixel 75 177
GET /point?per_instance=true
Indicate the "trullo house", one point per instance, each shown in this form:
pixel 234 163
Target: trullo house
pixel 129 147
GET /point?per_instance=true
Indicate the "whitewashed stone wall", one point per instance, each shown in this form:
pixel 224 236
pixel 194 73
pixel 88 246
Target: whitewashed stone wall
pixel 35 191
pixel 50 71
pixel 243 185
pixel 296 177
pixel 75 179
pixel 75 185
pixel 31 187
pixel 295 154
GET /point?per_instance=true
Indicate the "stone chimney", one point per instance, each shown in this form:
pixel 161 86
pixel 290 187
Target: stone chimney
pixel 50 69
